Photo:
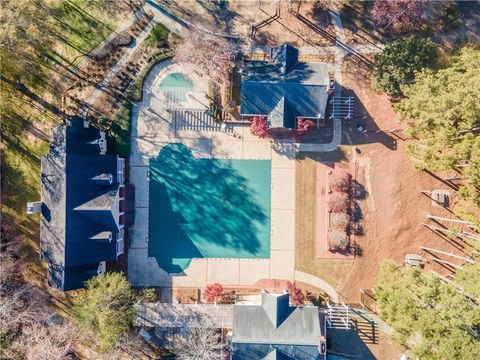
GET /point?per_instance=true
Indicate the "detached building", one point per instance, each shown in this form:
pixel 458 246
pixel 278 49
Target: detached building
pixel 275 330
pixel 83 206
pixel 283 89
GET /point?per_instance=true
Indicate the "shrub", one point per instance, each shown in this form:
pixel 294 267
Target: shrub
pixel 158 36
pixel 399 62
pixel 297 297
pixel 339 221
pixel 304 126
pixel 107 309
pixel 338 240
pixel 340 181
pixel 259 127
pixel 338 202
pixel 213 293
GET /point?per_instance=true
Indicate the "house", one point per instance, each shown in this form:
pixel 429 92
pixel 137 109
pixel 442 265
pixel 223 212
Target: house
pixel 283 89
pixel 83 205
pixel 276 330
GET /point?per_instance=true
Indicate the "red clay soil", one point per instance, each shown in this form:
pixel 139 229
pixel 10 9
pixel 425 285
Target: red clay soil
pixel 322 249
pixel 393 208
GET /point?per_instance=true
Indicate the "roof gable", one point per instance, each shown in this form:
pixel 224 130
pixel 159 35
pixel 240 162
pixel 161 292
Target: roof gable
pixel 284 88
pixel 276 322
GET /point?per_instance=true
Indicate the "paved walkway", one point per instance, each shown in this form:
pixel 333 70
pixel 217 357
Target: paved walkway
pixel 317 282
pixel 152 128
pixel 119 65
pixel 166 315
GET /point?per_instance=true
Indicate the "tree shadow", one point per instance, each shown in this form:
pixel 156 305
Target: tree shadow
pixel 359 190
pixel 206 208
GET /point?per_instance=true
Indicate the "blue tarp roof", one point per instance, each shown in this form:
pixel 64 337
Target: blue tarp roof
pixel 283 83
pixel 75 208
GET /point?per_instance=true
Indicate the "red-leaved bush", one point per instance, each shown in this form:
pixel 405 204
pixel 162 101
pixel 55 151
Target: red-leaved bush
pixel 399 16
pixel 258 127
pixel 297 297
pixel 213 293
pixel 340 181
pixel 304 126
pixel 338 202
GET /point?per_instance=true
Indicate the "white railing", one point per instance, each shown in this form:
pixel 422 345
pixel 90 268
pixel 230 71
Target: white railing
pixel 120 242
pixel 121 170
pixel 338 317
pixel 342 107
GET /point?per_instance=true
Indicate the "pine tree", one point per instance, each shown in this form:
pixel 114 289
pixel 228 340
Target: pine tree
pixel 106 308
pixel 400 60
pixel 435 318
pixel 442 109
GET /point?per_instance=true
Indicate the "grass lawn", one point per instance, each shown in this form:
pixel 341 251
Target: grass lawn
pixel 25 130
pixel 121 129
pixel 330 270
pixel 82 24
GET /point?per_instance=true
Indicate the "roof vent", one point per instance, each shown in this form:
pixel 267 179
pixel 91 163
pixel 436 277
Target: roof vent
pixel 103 179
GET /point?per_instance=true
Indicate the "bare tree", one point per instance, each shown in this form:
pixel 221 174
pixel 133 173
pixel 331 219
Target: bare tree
pixel 49 341
pixel 207 53
pixel 26 320
pixel 198 343
pixel 399 15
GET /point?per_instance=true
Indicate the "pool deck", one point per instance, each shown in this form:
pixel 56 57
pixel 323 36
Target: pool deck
pixel 152 129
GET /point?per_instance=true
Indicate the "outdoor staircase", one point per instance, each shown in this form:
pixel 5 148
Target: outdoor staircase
pixel 338 316
pixel 365 327
pixel 341 316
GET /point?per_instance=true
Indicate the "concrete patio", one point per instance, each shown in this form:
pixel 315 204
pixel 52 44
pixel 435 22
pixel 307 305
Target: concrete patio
pixel 153 127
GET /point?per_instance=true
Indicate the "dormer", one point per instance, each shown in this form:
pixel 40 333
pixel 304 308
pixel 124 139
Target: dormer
pixel 101 142
pixel 104 235
pixel 103 179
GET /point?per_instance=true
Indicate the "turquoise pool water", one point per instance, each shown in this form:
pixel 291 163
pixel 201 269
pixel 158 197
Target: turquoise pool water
pixel 207 208
pixel 177 81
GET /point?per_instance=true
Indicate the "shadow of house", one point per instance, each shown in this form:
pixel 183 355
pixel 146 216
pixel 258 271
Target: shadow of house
pixel 82 219
pixel 207 208
pixel 349 342
pixel 362 117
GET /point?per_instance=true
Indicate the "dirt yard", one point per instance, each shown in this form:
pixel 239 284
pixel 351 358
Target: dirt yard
pixel 236 19
pixel 391 205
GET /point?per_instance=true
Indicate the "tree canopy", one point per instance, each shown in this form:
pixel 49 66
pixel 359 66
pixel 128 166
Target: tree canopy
pixel 436 319
pixel 400 60
pixel 106 308
pixel 207 52
pixel 442 109
pixel 399 16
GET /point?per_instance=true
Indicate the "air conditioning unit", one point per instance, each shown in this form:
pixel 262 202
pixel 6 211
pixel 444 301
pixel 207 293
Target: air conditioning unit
pixel 34 207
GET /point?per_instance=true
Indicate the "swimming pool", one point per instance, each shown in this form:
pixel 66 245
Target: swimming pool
pixel 175 87
pixel 177 81
pixel 207 208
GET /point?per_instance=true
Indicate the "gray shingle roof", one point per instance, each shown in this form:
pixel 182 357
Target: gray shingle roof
pixel 275 322
pixel 302 86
